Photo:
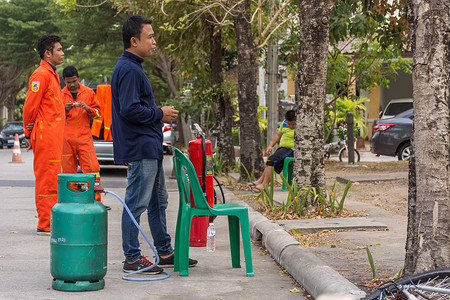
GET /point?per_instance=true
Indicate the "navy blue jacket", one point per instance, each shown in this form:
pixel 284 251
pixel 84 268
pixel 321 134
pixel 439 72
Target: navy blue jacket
pixel 136 120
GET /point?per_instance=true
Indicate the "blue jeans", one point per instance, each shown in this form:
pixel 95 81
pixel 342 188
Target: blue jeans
pixel 146 190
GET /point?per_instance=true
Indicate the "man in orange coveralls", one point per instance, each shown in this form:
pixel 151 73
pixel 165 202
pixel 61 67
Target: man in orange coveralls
pixel 81 104
pixel 43 120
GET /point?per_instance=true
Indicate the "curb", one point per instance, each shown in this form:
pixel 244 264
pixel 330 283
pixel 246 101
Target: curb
pixel 308 270
pixel 379 177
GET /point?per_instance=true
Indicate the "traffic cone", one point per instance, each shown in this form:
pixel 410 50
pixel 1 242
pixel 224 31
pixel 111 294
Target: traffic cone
pixel 17 156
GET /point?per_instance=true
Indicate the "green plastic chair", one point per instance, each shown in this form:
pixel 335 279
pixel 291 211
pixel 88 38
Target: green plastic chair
pixel 288 166
pixel 190 191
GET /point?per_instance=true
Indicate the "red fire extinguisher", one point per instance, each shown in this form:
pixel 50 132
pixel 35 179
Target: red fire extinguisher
pixel 200 154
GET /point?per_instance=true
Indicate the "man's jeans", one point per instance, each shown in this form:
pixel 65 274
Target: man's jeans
pixel 146 190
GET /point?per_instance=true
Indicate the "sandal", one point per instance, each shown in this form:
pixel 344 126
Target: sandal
pixel 254 189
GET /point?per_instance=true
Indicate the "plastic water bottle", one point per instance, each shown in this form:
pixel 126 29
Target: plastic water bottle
pixel 210 235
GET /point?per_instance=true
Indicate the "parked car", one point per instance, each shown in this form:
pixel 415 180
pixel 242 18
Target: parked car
pixel 392 137
pixel 169 137
pixel 105 152
pixel 396 107
pixel 8 133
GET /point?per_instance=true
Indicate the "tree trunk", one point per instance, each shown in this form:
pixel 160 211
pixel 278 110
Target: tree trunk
pixel 310 92
pixel 251 152
pixel 11 109
pixel 411 239
pixel 428 238
pixel 166 66
pixel 10 102
pixel 184 126
pixel 223 111
pixel 10 82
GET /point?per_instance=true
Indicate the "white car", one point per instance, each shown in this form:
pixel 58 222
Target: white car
pixel 169 137
pixel 395 107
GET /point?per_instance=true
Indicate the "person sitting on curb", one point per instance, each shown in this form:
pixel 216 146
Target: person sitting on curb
pixel 284 135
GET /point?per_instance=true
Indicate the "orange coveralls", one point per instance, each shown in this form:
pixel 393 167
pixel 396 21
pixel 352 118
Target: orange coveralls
pixel 77 135
pixel 104 98
pixel 44 106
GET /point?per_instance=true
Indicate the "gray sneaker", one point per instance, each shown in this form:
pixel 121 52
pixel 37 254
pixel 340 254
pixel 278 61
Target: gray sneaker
pixel 140 264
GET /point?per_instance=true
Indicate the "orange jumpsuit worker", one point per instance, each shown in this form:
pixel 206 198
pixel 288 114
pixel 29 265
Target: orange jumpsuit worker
pixel 43 120
pixel 81 104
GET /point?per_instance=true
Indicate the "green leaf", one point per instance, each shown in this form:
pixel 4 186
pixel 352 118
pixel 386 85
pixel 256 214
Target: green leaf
pixel 372 265
pixel 296 231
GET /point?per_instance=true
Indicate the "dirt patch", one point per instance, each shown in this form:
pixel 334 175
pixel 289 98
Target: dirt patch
pixel 390 195
pixel 365 167
pixel 345 251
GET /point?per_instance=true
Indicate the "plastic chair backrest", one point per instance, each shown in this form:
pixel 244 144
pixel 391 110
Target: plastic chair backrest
pixel 182 186
pixel 188 181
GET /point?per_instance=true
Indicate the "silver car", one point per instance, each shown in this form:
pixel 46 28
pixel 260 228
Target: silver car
pixel 105 152
pixel 392 137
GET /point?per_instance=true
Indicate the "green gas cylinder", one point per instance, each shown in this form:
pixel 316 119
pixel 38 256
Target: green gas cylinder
pixel 78 243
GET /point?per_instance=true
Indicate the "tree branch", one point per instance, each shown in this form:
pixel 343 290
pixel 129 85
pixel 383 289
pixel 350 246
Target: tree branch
pixel 272 32
pixel 90 6
pixel 275 18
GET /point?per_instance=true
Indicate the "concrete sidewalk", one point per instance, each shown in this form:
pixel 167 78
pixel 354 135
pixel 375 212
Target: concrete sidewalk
pixel 25 257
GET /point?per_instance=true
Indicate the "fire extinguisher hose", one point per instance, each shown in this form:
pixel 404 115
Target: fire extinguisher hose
pixel 203 165
pixel 202 135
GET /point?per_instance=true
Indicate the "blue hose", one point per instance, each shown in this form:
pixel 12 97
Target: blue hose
pixel 125 277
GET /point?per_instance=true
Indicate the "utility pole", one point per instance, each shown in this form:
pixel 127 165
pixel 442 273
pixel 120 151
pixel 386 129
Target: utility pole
pixel 272 89
pixel 350 139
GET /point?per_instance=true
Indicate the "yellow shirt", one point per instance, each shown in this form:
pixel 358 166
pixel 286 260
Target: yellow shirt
pixel 287 139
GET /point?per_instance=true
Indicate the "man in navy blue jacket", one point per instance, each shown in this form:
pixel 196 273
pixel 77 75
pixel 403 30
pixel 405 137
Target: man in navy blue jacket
pixel 137 137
